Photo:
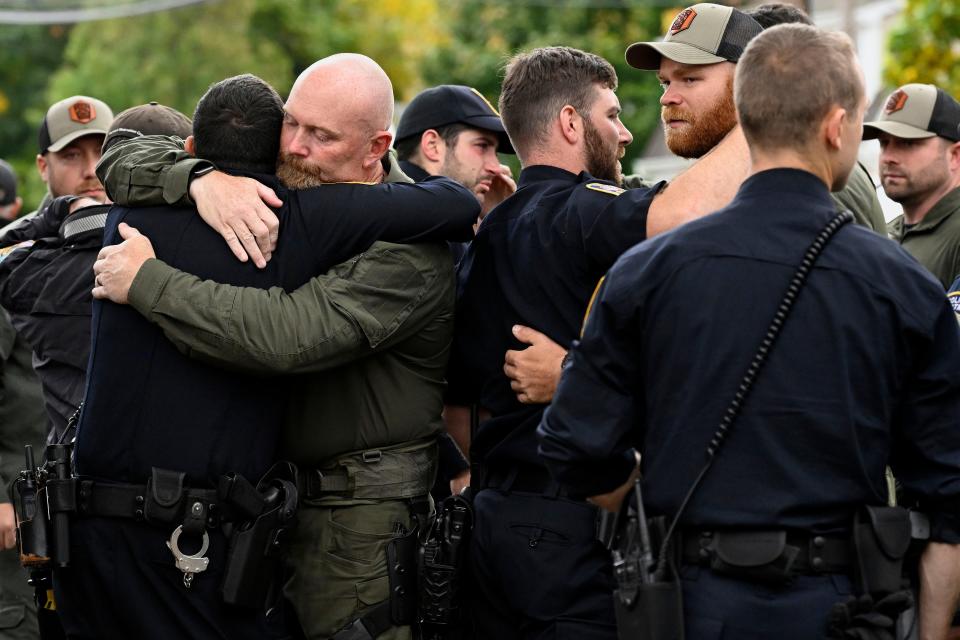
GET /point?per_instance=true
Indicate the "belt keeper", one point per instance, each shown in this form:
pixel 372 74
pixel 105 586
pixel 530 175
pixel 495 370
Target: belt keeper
pixel 195 516
pixel 371 457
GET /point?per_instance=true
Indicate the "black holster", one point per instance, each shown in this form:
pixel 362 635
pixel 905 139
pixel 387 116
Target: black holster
pixel 645 610
pixel 44 500
pixel 655 613
pixel 881 537
pixel 254 569
pixel 441 566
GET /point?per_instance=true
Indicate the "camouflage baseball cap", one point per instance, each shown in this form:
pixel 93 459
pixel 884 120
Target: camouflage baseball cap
pixel 917 111
pixel 705 33
pixel 152 119
pixel 73 118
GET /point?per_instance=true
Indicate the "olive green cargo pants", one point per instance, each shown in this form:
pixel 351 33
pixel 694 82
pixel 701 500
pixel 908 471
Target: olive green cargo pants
pixel 338 564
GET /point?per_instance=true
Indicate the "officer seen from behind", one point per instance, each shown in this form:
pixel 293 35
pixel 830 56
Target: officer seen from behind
pixel 799 459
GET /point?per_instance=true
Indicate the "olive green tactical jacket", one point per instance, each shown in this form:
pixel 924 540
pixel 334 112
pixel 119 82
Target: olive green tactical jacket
pixel 368 340
pixel 935 240
pixel 860 198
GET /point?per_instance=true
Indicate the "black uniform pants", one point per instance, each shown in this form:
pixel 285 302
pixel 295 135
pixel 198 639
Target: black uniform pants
pixel 537 570
pixel 719 607
pixel 123 583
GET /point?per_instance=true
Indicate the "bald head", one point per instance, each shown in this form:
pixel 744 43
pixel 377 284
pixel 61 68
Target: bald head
pixel 354 79
pixel 337 122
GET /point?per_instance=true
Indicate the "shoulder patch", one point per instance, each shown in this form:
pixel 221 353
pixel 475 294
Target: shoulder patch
pixel 8 250
pixel 604 188
pixel 954 298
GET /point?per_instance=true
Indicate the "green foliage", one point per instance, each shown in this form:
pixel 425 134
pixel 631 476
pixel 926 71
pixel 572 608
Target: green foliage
pixel 28 55
pixel 171 57
pixel 396 33
pixel 925 46
pixel 485 34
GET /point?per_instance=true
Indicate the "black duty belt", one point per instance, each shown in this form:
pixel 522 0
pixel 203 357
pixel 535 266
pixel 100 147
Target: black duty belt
pixel 807 554
pixel 163 500
pixel 525 479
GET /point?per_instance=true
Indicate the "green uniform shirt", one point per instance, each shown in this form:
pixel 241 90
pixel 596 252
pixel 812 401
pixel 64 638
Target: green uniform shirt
pixel 859 197
pixel 935 240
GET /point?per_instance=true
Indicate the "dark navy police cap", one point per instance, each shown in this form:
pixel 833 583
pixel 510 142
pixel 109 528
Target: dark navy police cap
pixel 452 104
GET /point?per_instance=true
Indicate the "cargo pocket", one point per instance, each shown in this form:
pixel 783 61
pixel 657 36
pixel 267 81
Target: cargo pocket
pixel 11 615
pixel 371 592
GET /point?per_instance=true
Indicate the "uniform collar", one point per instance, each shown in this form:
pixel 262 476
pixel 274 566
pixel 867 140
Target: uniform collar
pixel 414 172
pixel 787 181
pixel 86 220
pixel 541 172
pixel 939 212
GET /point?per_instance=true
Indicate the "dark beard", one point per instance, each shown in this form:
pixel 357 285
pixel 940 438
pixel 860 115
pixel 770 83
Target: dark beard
pixel 704 132
pixel 602 163
pixel 294 173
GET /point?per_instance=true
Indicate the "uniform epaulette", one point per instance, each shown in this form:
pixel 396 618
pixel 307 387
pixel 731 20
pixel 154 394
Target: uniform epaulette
pixel 604 188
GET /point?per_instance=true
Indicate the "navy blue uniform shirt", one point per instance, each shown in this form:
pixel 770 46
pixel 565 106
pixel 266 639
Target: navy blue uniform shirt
pixel 418 174
pixel 866 371
pixel 536 260
pixel 147 405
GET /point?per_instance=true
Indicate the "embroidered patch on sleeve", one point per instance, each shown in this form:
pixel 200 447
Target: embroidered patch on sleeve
pixel 954 298
pixel 604 188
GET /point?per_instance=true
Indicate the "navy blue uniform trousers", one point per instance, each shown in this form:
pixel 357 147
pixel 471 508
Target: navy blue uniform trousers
pixel 124 561
pixel 537 570
pixel 718 607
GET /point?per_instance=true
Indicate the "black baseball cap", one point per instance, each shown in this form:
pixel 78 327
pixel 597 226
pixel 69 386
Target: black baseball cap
pixel 151 119
pixel 8 184
pixel 705 33
pixel 452 104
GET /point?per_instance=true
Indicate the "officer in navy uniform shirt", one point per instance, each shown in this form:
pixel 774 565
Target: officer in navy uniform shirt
pixel 865 373
pixel 535 261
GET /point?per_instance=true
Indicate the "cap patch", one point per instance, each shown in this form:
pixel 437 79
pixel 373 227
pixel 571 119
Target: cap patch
pixel 683 21
pixel 604 188
pixel 82 112
pixel 896 101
